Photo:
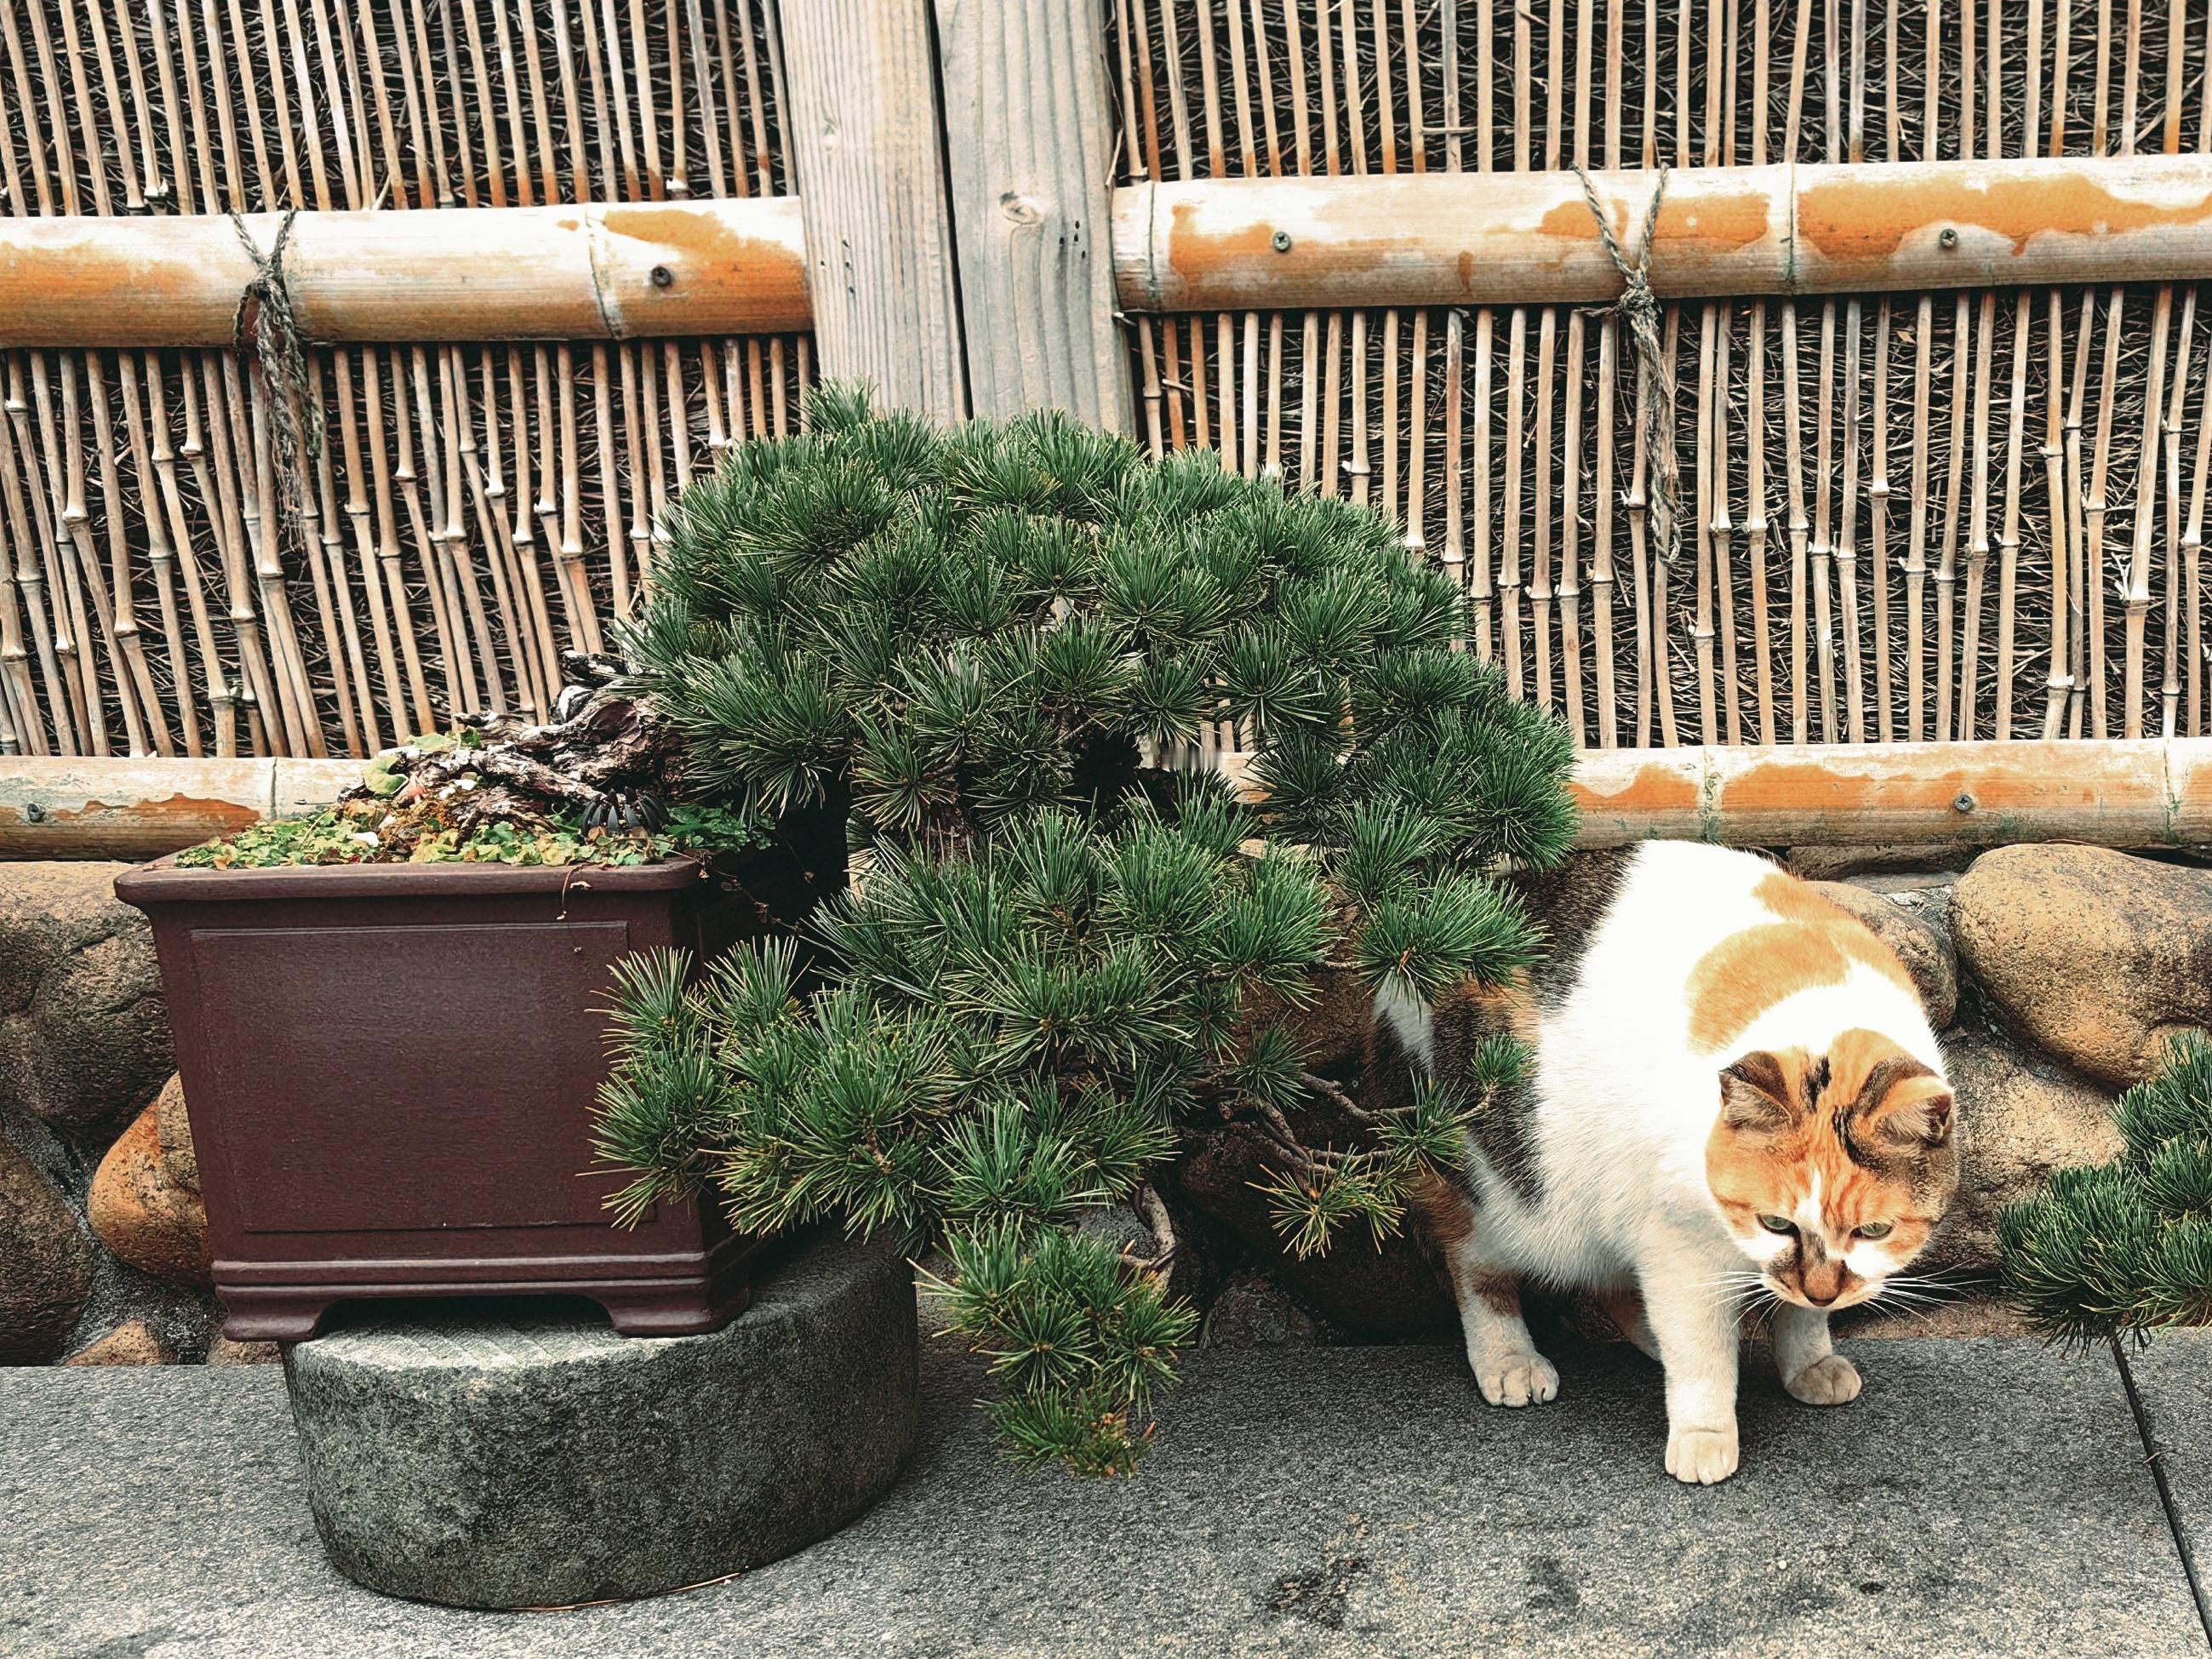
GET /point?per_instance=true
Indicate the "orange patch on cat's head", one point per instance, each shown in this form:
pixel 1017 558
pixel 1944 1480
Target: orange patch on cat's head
pixel 1810 944
pixel 1833 1145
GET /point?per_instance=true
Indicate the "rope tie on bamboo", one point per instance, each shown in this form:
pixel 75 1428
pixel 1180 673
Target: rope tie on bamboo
pixel 266 319
pixel 1638 307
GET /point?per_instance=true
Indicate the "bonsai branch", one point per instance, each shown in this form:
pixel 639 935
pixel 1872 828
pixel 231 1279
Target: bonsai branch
pixel 1337 1098
pixel 1154 1213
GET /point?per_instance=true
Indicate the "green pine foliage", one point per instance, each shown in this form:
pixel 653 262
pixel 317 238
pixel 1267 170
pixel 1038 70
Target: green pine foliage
pixel 2126 1246
pixel 1368 1186
pixel 974 662
pixel 1005 1042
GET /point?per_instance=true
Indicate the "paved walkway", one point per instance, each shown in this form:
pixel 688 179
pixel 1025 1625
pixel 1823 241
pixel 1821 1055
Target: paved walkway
pixel 1983 1496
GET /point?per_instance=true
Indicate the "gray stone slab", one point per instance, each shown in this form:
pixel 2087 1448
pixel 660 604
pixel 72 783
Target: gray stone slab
pixel 1983 1496
pixel 2173 1381
pixel 490 1453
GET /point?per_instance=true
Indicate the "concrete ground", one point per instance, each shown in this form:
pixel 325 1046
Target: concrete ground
pixel 1985 1496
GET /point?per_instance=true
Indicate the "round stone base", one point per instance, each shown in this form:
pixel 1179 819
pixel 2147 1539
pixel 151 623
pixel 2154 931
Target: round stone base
pixel 512 1455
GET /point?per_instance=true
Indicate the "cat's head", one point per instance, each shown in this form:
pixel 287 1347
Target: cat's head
pixel 1831 1170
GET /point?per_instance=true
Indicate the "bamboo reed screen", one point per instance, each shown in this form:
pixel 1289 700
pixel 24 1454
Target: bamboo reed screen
pixel 1905 517
pixel 471 509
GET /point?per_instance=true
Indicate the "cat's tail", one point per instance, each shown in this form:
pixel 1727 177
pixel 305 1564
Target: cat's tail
pixel 1401 1043
pixel 1406 1017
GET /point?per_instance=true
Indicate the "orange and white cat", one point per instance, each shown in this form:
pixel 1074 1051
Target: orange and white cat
pixel 1735 1090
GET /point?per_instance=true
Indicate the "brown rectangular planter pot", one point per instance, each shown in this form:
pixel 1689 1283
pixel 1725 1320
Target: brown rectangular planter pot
pixel 390 1072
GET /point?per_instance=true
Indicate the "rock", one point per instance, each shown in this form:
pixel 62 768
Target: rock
pixel 1911 887
pixel 140 1210
pixel 2020 1117
pixel 183 1315
pixel 133 1343
pixel 518 1454
pixel 1835 863
pixel 224 1352
pixel 2098 956
pixel 1387 1291
pixel 175 1131
pixel 1253 1311
pixel 84 1039
pixel 1925 950
pixel 45 1263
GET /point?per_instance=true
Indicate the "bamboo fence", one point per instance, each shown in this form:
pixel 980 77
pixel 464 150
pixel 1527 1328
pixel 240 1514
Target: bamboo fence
pixel 1904 516
pixel 181 580
pixel 1971 509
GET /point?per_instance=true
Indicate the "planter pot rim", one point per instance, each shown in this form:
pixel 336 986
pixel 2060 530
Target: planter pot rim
pixel 162 881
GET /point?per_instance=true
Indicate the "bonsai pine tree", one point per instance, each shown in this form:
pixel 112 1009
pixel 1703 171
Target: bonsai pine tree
pixel 2126 1246
pixel 974 671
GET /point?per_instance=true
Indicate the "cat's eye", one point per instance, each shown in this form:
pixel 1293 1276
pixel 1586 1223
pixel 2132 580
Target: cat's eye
pixel 1876 1230
pixel 1777 1224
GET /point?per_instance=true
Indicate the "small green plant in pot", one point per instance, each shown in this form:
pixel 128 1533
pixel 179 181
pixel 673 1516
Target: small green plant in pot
pixel 968 663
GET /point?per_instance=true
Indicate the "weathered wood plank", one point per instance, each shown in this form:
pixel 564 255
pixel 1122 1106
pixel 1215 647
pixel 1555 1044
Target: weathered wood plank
pixel 1030 137
pixel 604 270
pixel 1461 238
pixel 867 151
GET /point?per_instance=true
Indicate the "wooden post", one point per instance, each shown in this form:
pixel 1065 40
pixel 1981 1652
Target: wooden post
pixel 1028 133
pixel 867 151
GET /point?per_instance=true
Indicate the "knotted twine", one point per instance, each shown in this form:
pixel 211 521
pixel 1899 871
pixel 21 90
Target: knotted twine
pixel 1638 307
pixel 267 320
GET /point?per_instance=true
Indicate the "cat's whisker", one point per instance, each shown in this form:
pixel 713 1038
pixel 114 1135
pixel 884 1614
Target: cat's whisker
pixel 1934 1286
pixel 1926 1289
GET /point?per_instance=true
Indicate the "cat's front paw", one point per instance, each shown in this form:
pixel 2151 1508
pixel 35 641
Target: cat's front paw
pixel 1701 1457
pixel 1517 1379
pixel 1831 1380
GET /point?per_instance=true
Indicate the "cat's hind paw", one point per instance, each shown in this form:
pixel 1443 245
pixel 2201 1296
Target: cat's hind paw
pixel 1517 1379
pixel 1831 1380
pixel 1701 1457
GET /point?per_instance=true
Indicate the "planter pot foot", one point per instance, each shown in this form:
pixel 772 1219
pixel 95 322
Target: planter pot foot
pixel 673 1310
pixel 679 1307
pixel 507 1457
pixel 275 1318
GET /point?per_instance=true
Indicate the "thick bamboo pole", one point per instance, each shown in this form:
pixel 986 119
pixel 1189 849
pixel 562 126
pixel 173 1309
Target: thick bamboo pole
pixel 58 808
pixel 2133 794
pixel 604 270
pixel 2112 793
pixel 1461 238
pixel 2148 792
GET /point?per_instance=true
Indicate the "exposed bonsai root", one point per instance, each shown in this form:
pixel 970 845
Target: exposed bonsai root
pixel 611 763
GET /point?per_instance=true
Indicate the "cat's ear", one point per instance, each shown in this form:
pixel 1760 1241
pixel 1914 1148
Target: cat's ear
pixel 1917 1114
pixel 1759 1093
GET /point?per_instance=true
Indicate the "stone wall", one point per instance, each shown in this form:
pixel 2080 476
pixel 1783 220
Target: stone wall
pixel 2055 972
pixel 84 1053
